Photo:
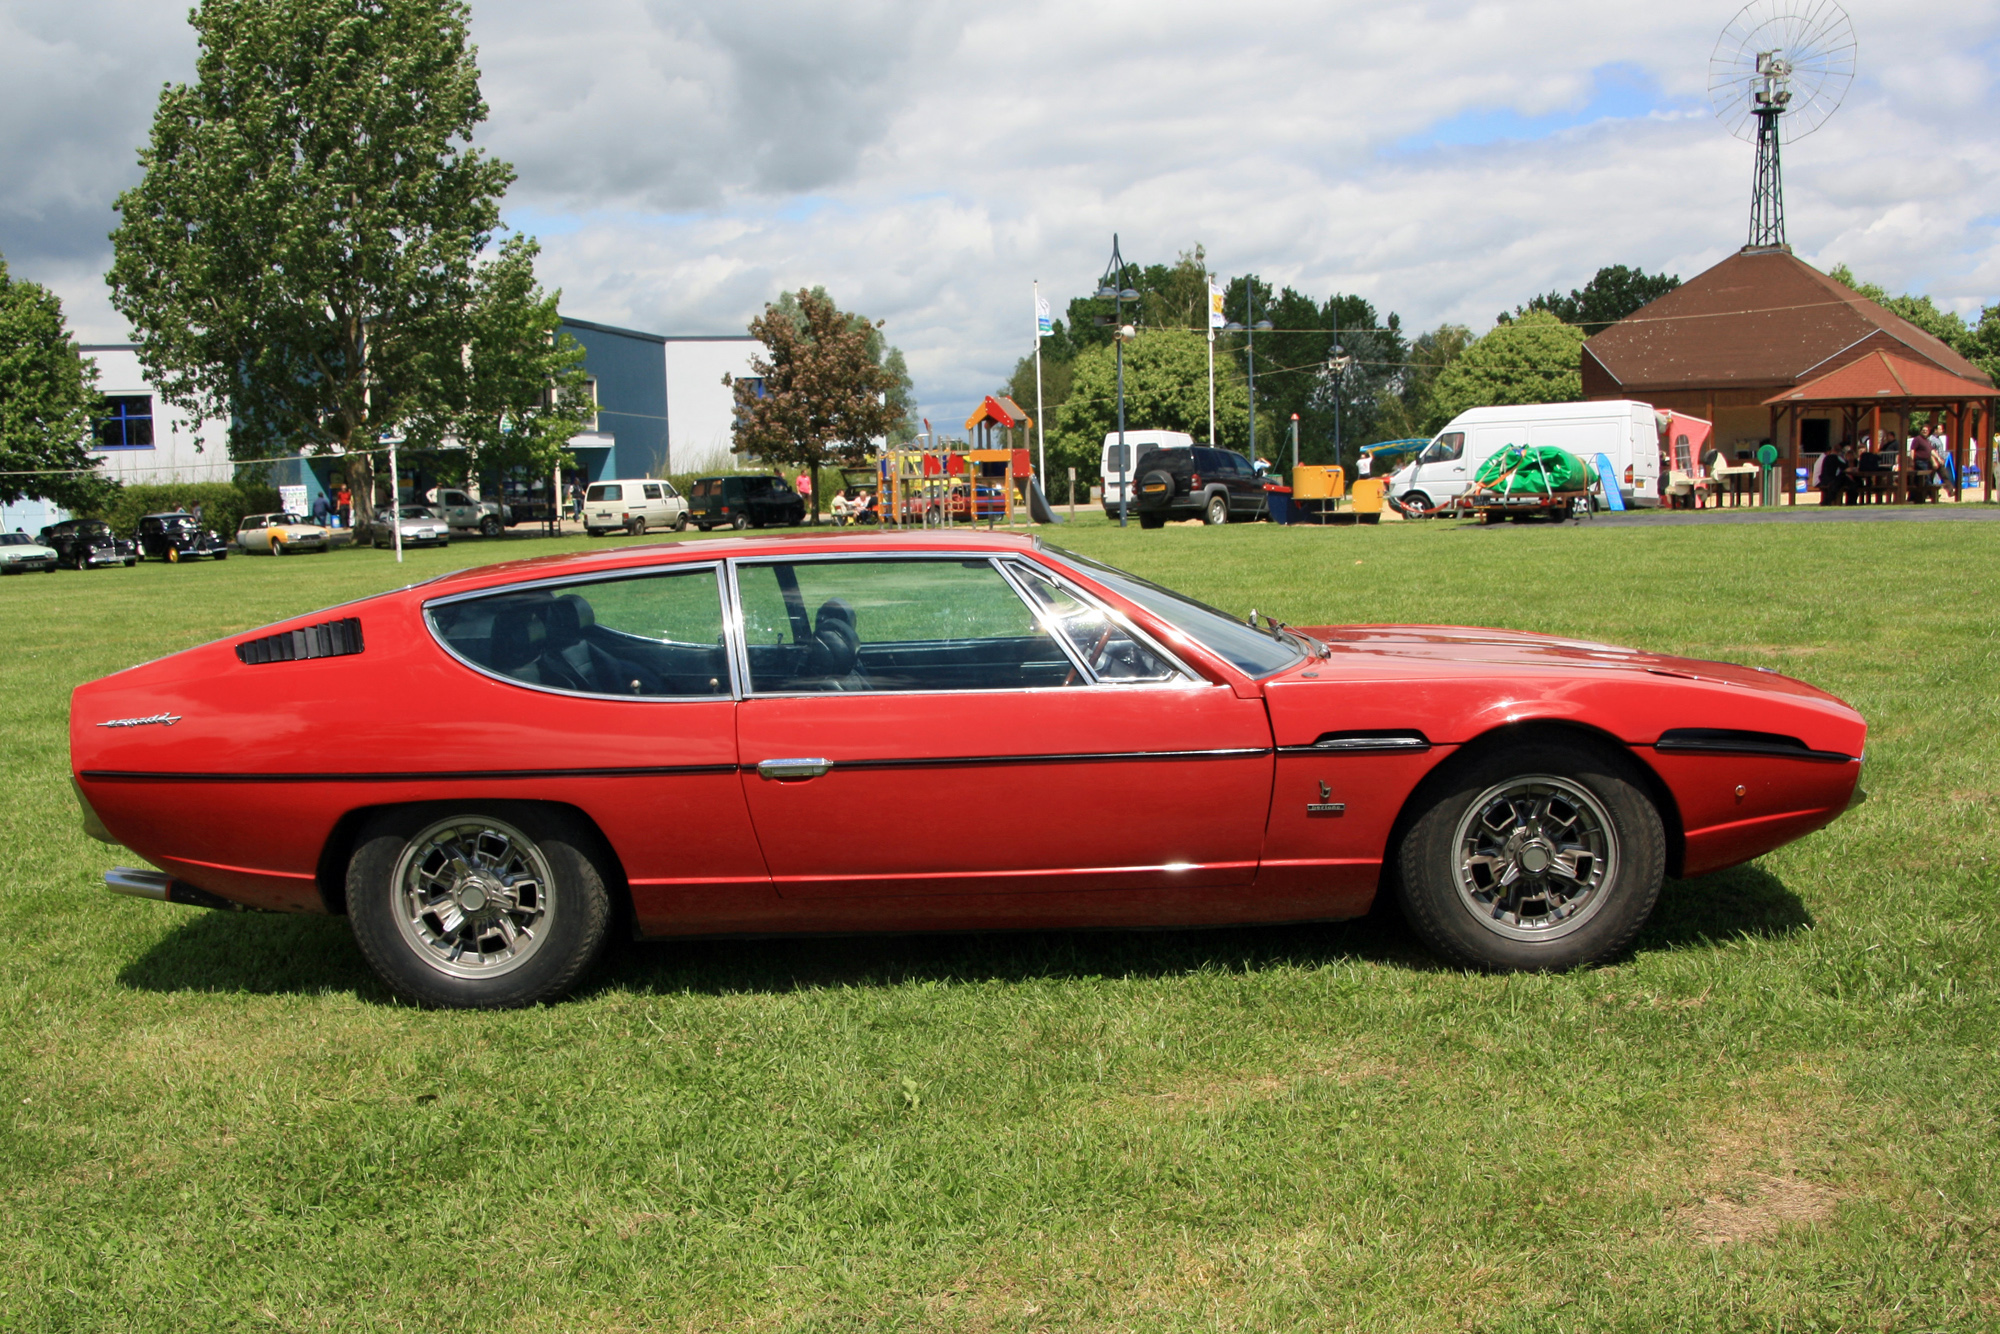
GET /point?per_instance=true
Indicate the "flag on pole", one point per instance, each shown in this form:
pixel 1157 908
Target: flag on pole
pixel 1043 326
pixel 1216 319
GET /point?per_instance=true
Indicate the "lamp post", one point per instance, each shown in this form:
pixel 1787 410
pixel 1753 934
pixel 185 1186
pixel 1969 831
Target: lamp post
pixel 1250 334
pixel 1337 365
pixel 1111 287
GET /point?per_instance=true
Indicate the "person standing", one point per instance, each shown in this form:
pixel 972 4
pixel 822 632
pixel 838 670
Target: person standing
pixel 1831 481
pixel 320 508
pixel 343 506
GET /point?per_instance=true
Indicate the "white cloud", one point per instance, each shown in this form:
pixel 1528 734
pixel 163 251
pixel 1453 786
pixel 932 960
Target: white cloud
pixel 683 163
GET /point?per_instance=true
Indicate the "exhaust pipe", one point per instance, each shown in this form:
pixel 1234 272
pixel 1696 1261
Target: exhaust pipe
pixel 164 889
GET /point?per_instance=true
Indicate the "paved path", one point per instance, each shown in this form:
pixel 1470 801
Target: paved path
pixel 1801 514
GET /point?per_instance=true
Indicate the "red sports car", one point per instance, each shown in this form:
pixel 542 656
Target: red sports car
pixel 690 733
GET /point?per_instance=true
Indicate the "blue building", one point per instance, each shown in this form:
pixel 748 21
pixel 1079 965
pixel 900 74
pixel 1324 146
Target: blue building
pixel 661 403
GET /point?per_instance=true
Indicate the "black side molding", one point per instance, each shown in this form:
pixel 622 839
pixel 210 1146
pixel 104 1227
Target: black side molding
pixel 328 639
pixel 1394 740
pixel 1728 741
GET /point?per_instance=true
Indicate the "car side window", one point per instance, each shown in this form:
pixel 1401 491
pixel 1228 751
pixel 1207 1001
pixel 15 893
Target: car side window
pixel 653 492
pixel 1446 448
pixel 1112 653
pixel 656 635
pixel 892 625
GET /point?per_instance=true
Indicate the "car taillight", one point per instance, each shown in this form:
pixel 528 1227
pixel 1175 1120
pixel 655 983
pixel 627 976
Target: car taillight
pixel 725 509
pixel 1628 474
pixel 1194 479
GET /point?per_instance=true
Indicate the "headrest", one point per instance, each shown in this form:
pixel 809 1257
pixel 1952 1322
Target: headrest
pixel 565 626
pixel 586 615
pixel 835 644
pixel 516 639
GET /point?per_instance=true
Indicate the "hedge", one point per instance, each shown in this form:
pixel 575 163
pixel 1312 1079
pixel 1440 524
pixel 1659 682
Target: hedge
pixel 223 504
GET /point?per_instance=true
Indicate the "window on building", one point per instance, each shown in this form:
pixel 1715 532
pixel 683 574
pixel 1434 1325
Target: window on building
pixel 126 422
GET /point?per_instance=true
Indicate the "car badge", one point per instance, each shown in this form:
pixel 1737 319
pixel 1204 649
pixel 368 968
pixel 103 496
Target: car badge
pixel 1323 806
pixel 165 719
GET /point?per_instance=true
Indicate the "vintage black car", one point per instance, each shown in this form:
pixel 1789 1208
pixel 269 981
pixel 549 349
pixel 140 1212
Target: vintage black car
pixel 85 544
pixel 177 537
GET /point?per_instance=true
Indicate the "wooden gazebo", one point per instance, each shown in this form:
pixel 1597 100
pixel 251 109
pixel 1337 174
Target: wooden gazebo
pixel 1882 384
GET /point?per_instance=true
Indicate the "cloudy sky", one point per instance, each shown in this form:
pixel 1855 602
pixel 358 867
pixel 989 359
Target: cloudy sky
pixel 683 162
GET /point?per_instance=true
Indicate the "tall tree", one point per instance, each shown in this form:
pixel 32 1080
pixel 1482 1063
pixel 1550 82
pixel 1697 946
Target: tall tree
pixel 1166 389
pixel 820 393
pixel 48 392
pixel 1407 412
pixel 300 256
pixel 1535 358
pixel 518 392
pixel 1607 298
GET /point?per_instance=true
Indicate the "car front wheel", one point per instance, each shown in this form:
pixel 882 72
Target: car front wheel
pixel 1417 503
pixel 681 522
pixel 1217 511
pixel 489 526
pixel 1539 856
pixel 486 907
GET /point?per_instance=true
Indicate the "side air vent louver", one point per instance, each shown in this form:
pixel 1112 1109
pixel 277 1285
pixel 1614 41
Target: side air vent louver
pixel 328 639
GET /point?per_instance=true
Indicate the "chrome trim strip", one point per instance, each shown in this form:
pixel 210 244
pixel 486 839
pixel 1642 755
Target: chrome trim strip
pixel 1077 757
pixel 438 776
pixel 1363 743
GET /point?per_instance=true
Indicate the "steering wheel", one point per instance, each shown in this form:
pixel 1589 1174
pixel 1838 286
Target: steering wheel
pixel 1096 651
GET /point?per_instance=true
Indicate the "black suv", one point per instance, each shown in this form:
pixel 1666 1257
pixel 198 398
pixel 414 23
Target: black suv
pixel 177 537
pixel 743 502
pixel 85 544
pixel 1195 482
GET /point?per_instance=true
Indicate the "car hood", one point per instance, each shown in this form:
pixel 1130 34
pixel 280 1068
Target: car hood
pixel 1471 646
pixel 27 551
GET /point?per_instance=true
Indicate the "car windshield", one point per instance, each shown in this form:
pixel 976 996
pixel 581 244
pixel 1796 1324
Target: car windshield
pixel 178 523
pixel 15 540
pixel 1251 651
pixel 292 518
pixel 416 512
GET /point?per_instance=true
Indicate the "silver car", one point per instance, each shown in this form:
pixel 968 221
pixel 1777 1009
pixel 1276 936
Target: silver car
pixel 421 527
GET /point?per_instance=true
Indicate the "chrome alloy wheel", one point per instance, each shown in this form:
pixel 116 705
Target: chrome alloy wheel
pixel 1535 857
pixel 472 897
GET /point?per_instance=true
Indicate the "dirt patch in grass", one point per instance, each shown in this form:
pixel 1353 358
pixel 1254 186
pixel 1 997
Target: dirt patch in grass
pixel 1772 1203
pixel 1764 1164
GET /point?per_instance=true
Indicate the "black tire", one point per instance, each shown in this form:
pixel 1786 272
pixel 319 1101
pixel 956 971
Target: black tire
pixel 568 919
pixel 1561 799
pixel 1152 521
pixel 740 522
pixel 1418 504
pixel 277 546
pixel 222 555
pixel 1216 510
pixel 681 522
pixel 638 526
pixel 490 526
pixel 173 555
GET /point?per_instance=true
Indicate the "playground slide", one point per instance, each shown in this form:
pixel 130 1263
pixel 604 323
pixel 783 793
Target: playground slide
pixel 1607 477
pixel 1039 508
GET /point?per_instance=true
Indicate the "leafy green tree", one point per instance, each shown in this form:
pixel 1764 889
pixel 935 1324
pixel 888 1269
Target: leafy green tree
pixel 820 393
pixel 1407 412
pixel 1534 358
pixel 519 392
pixel 1166 389
pixel 902 390
pixel 1977 341
pixel 1607 298
pixel 1058 375
pixel 48 392
pixel 301 254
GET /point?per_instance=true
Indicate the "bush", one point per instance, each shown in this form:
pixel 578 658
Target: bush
pixel 223 504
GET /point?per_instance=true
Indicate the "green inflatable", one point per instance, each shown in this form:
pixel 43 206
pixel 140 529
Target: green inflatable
pixel 1516 470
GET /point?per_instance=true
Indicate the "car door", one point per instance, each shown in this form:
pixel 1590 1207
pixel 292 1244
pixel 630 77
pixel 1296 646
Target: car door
pixel 913 727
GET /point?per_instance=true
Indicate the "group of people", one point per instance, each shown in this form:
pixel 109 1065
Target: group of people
pixel 1842 477
pixel 339 509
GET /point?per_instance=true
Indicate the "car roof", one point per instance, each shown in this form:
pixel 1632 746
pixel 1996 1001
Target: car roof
pixel 842 542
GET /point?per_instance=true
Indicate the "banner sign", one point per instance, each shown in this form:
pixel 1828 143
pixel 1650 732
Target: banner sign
pixel 1216 319
pixel 1043 325
pixel 293 498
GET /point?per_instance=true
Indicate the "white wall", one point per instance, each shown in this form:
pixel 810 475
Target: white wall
pixel 700 410
pixel 185 449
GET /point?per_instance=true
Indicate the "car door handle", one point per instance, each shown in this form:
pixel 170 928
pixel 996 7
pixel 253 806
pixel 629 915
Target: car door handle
pixel 798 768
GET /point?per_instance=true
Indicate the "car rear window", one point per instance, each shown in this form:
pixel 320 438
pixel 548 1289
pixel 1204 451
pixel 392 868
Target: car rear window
pixel 606 491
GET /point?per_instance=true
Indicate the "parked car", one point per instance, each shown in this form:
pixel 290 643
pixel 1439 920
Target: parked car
pixel 178 536
pixel 699 715
pixel 281 534
pixel 1118 468
pixel 85 544
pixel 1625 431
pixel 1196 482
pixel 421 527
pixel 21 554
pixel 633 505
pixel 740 502
pixel 460 510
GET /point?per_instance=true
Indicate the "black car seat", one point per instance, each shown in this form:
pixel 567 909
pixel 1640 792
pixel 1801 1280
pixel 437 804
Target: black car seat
pixel 515 643
pixel 834 648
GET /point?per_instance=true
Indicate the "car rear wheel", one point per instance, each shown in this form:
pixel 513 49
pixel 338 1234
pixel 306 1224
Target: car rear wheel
pixel 1152 521
pixel 1538 856
pixel 740 522
pixel 490 526
pixel 1217 510
pixel 484 907
pixel 638 528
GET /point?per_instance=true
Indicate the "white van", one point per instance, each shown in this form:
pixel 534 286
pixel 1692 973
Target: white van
pixel 633 504
pixel 1136 444
pixel 1626 431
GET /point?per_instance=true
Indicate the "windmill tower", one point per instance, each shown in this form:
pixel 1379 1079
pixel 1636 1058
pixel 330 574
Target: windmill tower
pixel 1778 71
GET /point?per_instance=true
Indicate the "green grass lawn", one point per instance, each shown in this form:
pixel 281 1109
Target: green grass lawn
pixel 1777 1114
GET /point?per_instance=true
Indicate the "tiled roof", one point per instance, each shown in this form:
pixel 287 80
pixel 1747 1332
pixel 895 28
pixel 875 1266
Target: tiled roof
pixel 1886 376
